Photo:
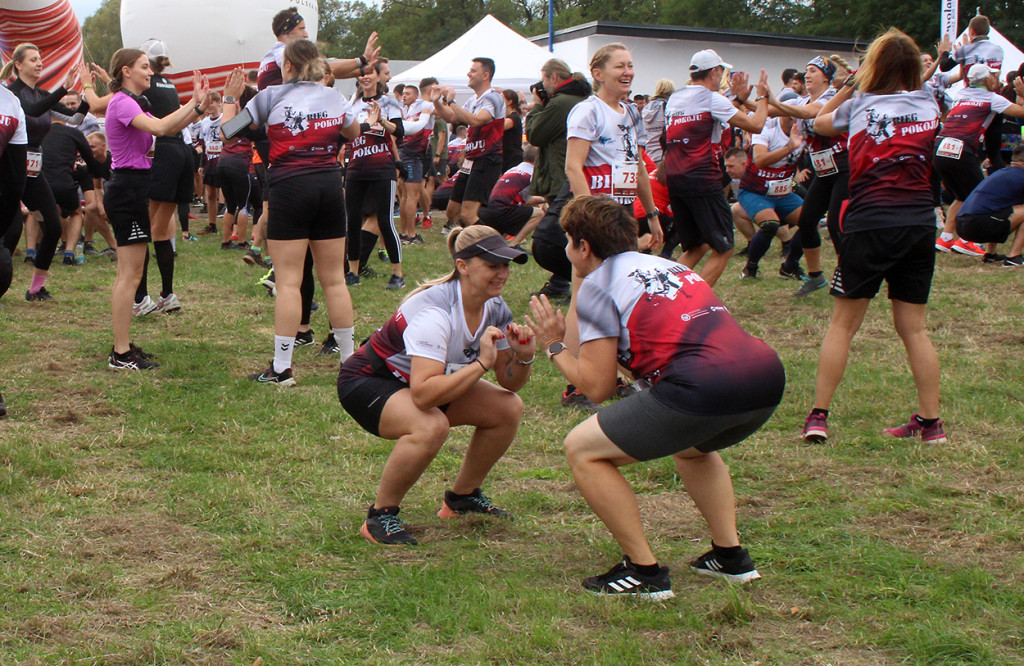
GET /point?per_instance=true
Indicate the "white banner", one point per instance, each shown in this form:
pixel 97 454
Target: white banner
pixel 949 19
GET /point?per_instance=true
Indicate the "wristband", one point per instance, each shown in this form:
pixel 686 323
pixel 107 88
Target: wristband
pixel 88 85
pixel 652 215
pixel 362 60
pixel 482 365
pixel 530 362
pixel 758 99
pixel 197 110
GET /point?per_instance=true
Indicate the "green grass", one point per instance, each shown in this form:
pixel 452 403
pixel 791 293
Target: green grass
pixel 191 516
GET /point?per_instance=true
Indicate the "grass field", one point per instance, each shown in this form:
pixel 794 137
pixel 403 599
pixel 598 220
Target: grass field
pixel 188 515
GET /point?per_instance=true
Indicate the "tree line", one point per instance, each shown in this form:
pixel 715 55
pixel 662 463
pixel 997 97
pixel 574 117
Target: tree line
pixel 416 29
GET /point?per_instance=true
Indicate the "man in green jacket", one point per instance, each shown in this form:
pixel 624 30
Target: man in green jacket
pixel 545 125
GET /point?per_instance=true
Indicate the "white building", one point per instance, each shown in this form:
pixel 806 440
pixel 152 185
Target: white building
pixel 664 51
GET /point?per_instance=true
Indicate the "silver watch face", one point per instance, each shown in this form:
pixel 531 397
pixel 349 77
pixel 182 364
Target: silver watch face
pixel 555 348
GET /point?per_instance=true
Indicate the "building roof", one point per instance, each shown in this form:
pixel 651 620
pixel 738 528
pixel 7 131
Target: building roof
pixel 683 32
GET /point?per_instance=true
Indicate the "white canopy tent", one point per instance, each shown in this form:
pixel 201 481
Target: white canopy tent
pixel 517 61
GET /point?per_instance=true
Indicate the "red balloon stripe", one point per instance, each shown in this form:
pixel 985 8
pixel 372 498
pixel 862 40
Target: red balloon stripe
pixel 54 30
pixel 218 77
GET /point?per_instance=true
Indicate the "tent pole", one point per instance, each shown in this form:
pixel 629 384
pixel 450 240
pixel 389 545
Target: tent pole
pixel 551 26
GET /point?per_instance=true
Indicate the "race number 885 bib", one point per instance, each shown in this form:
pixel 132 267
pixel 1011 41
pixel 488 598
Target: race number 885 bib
pixel 780 188
pixel 951 148
pixel 824 164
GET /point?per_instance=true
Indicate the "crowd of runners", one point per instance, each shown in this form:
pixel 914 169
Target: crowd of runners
pixel 629 203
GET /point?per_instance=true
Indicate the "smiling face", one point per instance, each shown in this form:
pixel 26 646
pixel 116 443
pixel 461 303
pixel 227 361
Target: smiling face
pixel 816 80
pixel 98 145
pixel 616 74
pixel 368 82
pixel 136 76
pixel 298 32
pixel 31 66
pixel 482 277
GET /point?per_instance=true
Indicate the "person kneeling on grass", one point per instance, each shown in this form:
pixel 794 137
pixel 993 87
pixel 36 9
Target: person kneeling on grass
pixel 711 386
pixel 995 209
pixel 422 373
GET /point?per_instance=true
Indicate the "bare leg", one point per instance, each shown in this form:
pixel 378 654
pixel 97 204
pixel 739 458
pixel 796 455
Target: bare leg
pixel 707 481
pixel 715 266
pixel 419 435
pixel 329 260
pixel 847 316
pixel 910 322
pixel 129 272
pixel 496 413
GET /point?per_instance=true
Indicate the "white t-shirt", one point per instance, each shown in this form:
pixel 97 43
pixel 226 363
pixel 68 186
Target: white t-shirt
pixel 612 165
pixel 12 120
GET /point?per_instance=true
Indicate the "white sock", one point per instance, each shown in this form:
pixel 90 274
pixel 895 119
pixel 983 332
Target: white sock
pixel 283 346
pixel 174 243
pixel 346 339
pixel 946 236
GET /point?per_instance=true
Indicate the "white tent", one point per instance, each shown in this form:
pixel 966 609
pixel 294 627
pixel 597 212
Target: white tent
pixel 517 61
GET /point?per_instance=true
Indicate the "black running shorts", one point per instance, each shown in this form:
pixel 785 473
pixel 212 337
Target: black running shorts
pixel 986 228
pixel 902 256
pixel 645 427
pixel 66 196
pixel 477 185
pixel 509 221
pixel 172 171
pixel 127 204
pixel 211 174
pixel 961 175
pixel 310 206
pixel 364 398
pixel 703 219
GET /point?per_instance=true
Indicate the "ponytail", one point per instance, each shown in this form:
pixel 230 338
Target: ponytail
pixel 18 56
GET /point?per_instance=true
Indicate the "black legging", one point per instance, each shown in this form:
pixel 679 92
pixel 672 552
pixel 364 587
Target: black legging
pixel 38 197
pixel 825 194
pixel 549 240
pixel 234 183
pixel 382 193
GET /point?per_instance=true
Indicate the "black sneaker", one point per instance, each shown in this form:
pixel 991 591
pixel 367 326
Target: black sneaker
pixel 138 350
pixel 382 254
pixel 416 240
pixel 69 260
pixel 737 569
pixel 794 274
pixel 556 296
pixel 252 257
pixel 993 258
pixel 330 346
pixel 396 282
pixel 404 240
pixel 1013 262
pixel 304 338
pixel 811 285
pixel 475 502
pixel 385 528
pixel 368 273
pixel 351 279
pixel 624 579
pixel 573 397
pixel 231 245
pixel 743 252
pixel 748 273
pixel 41 295
pixel 88 249
pixel 268 376
pixel 133 360
pixel 30 258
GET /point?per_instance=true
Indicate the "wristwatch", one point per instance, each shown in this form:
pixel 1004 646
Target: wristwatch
pixel 228 99
pixel 555 348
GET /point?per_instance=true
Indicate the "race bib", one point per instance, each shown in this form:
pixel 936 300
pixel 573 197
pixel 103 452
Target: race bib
pixel 624 177
pixel 780 188
pixel 34 163
pixel 823 163
pixel 213 148
pixel 467 166
pixel 951 148
pixel 450 368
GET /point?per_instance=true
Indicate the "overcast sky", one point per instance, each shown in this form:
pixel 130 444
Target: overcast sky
pixel 85 8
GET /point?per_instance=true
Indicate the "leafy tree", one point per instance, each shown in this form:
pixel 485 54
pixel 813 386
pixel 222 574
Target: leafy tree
pixel 101 33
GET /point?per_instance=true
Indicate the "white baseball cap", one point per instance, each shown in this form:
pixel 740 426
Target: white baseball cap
pixel 705 60
pixel 978 71
pixel 154 48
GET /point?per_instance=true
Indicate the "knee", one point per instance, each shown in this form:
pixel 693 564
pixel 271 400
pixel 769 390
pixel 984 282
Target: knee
pixel 771 227
pixel 577 447
pixel 510 409
pixel 433 430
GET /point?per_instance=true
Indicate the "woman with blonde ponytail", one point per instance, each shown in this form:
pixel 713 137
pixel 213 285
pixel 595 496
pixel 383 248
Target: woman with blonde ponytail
pixel 422 373
pixel 26 64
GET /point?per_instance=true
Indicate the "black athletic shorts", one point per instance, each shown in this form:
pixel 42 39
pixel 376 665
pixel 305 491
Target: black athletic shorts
pixel 127 204
pixel 66 196
pixel 364 398
pixel 261 176
pixel 703 219
pixel 234 183
pixel 902 256
pixel 310 206
pixel 172 171
pixel 477 185
pixel 509 221
pixel 961 175
pixel 211 174
pixel 646 428
pixel 985 228
pixel 83 179
pixel 412 166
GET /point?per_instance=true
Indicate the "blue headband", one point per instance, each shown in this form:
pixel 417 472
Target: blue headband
pixel 825 65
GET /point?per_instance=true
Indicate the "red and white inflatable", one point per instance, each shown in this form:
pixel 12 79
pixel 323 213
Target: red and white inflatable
pixel 213 37
pixel 51 26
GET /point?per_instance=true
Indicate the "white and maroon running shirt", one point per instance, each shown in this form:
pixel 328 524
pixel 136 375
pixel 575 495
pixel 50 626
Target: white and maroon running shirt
pixel 673 332
pixel 891 139
pixel 612 166
pixel 213 144
pixel 983 50
pixel 304 122
pixel 419 116
pixel 775 180
pixel 694 117
pixel 370 156
pixel 12 120
pixel 269 73
pixel 973 110
pixel 431 324
pixel 828 153
pixel 485 141
pixel 513 188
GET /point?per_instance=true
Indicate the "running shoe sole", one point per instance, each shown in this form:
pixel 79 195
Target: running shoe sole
pixel 745 577
pixel 365 531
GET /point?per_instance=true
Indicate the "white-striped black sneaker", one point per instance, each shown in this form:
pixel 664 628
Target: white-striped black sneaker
pixel 385 528
pixel 624 578
pixel 268 376
pixel 737 569
pixel 304 338
pixel 133 359
pixel 330 346
pixel 475 502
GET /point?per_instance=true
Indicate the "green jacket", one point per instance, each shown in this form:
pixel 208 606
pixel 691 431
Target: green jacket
pixel 545 128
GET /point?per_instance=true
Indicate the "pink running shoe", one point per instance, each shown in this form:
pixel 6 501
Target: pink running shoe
pixel 933 434
pixel 815 428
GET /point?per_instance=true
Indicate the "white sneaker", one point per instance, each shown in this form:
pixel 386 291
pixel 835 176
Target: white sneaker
pixel 144 307
pixel 168 303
